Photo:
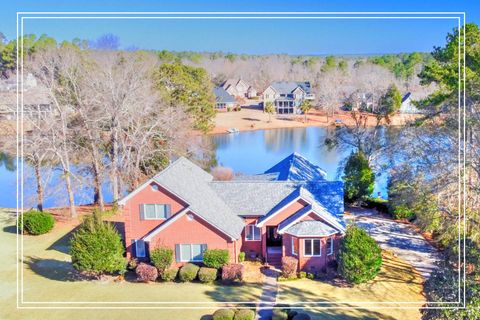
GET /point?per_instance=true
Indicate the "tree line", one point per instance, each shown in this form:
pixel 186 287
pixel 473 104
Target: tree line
pixel 121 115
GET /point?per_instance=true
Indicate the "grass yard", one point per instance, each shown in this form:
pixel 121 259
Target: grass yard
pixel 48 277
pixel 396 282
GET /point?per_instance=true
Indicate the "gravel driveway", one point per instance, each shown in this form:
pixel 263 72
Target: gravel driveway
pixel 402 239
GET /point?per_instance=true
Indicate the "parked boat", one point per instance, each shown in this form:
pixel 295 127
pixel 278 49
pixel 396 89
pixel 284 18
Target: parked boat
pixel 233 130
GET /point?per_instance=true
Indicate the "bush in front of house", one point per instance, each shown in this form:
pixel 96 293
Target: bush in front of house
pixel 36 222
pixel 279 314
pixel 161 258
pixel 241 256
pixel 244 314
pixel 146 272
pixel 169 274
pixel 360 257
pixel 223 314
pixel 207 275
pixel 188 272
pixel 302 275
pixel 233 272
pixel 96 247
pixel 216 258
pixel 289 267
pixel 132 264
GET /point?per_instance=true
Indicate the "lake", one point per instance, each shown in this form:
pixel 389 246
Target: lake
pixel 249 152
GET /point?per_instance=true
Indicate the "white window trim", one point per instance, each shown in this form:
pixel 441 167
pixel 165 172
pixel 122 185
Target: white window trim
pixel 311 255
pixel 144 249
pixel 293 247
pixel 191 251
pixel 330 250
pixel 252 232
pixel 156 208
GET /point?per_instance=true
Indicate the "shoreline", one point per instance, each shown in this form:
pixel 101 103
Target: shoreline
pixel 253 119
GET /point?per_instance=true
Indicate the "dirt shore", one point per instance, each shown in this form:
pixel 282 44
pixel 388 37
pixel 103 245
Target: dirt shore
pixel 254 119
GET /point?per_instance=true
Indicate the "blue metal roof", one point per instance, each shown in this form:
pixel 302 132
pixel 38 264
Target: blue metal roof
pixel 296 168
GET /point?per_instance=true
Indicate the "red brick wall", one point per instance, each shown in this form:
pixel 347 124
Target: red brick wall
pixel 135 228
pixel 196 231
pixel 315 264
pixel 251 247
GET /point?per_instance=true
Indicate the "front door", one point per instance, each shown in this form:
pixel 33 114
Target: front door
pixel 274 239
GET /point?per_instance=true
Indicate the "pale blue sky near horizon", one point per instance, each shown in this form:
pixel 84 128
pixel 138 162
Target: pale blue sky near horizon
pixel 317 37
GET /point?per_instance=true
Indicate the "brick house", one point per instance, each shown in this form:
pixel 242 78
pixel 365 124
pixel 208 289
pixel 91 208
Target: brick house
pixel 290 209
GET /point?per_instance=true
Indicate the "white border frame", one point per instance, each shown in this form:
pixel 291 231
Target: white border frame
pixel 243 15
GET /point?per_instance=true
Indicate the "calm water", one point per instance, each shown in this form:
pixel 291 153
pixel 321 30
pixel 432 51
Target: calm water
pixel 245 152
pixel 256 151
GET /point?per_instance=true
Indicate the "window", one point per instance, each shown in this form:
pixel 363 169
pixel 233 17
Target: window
pixel 329 246
pixel 190 252
pixel 155 211
pixel 294 246
pixel 312 247
pixel 139 248
pixel 252 233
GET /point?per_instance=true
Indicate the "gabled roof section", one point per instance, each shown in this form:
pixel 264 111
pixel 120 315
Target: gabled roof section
pixel 297 168
pixel 325 199
pixel 222 96
pixel 191 184
pixel 293 196
pixel 287 87
pixel 252 198
pixel 311 228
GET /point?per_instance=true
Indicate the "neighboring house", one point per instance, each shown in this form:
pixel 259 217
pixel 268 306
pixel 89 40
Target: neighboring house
pixel 223 100
pixel 239 88
pixel 287 96
pixel 290 210
pixel 407 107
pixel 36 101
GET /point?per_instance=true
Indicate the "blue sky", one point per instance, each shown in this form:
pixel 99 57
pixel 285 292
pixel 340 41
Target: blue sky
pixel 251 36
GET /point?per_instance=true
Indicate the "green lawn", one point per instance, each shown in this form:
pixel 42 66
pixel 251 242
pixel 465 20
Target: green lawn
pixel 48 277
pixel 396 282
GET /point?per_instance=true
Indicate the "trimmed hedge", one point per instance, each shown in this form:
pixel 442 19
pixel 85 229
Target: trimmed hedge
pixel 188 272
pixel 146 272
pixel 96 247
pixel 169 274
pixel 36 222
pixel 223 314
pixel 244 314
pixel 233 272
pixel 289 267
pixel 216 258
pixel 207 275
pixel 161 258
pixel 360 257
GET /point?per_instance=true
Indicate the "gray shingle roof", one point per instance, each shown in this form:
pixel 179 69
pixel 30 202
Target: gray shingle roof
pixel 296 168
pixel 222 96
pixel 253 198
pixel 221 203
pixel 311 228
pixel 192 184
pixel 287 87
